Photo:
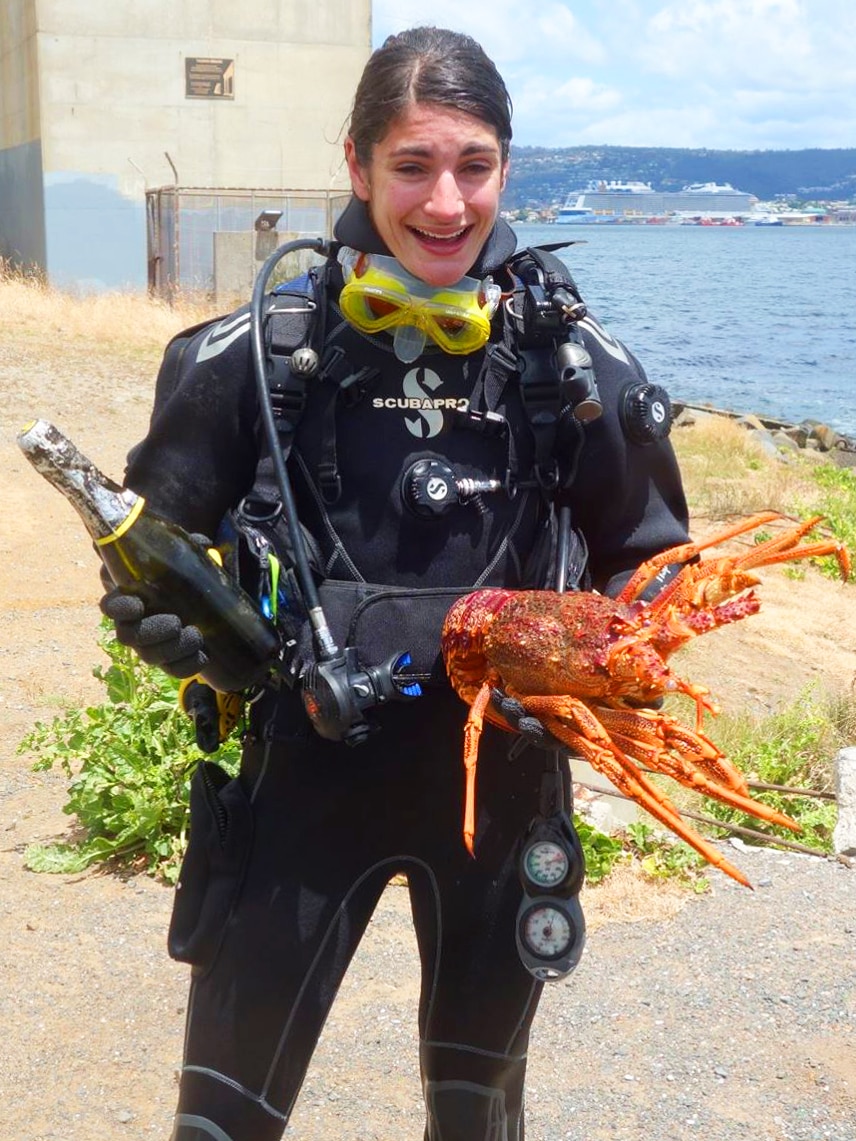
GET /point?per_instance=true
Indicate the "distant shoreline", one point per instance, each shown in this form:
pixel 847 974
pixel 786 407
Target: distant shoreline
pixel 662 220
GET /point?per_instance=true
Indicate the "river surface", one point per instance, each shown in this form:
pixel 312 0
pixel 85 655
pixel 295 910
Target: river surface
pixel 751 318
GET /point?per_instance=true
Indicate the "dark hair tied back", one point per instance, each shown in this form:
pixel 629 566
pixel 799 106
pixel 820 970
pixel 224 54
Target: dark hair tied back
pixel 428 65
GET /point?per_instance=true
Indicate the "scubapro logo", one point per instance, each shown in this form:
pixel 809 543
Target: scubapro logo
pixel 419 387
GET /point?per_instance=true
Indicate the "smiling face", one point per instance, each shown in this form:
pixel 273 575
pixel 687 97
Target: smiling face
pixel 432 188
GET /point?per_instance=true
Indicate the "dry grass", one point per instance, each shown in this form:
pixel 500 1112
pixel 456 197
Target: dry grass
pixel 628 895
pixel 132 320
pixel 727 472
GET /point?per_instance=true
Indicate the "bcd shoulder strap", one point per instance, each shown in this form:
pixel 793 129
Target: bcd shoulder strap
pixel 292 323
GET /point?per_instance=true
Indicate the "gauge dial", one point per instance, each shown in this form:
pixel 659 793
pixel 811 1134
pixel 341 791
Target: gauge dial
pixel 546 931
pixel 545 863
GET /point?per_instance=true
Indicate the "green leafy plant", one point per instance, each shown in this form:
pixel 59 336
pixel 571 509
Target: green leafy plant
pixel 837 503
pixel 129 762
pixel 794 748
pixel 663 857
pixel 602 852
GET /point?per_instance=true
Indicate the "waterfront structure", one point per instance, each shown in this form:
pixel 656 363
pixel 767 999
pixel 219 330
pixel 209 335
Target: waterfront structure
pixel 102 102
pixel 610 201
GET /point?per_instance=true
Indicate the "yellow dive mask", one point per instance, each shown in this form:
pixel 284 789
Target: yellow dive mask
pixel 380 294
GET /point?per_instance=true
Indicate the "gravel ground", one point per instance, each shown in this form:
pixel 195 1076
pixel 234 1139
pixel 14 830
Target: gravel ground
pixel 734 1020
pixel 728 1016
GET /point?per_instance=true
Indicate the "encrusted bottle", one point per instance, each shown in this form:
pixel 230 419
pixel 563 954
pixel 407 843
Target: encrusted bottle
pixel 157 560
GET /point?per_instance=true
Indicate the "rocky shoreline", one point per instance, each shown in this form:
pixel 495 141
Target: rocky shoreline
pixel 776 436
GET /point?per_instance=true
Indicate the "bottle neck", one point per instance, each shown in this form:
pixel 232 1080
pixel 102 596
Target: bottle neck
pixel 105 508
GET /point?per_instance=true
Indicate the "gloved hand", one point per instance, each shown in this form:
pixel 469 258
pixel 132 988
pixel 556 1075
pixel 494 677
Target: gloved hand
pixel 159 639
pixel 530 728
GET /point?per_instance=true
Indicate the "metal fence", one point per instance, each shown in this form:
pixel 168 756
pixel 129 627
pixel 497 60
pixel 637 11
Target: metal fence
pixel 181 223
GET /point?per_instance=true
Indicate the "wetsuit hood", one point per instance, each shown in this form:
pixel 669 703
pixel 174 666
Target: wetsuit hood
pixel 354 228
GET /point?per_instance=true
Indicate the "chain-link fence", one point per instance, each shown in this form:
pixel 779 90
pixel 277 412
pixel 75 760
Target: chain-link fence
pixel 186 227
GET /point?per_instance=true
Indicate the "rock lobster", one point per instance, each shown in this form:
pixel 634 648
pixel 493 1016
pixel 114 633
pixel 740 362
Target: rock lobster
pixel 587 665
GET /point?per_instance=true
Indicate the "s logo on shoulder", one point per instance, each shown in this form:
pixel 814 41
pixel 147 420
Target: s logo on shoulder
pixel 606 340
pixel 218 339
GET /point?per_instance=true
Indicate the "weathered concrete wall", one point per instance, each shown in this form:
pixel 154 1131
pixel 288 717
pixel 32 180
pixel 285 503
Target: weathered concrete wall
pixel 22 218
pixel 114 75
pixel 19 91
pixel 95 236
pixel 106 88
pixel 22 233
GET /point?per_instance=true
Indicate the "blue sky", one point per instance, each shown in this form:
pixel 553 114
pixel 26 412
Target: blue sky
pixel 723 74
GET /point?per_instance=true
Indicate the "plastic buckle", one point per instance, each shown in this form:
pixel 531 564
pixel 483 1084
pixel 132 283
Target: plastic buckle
pixel 486 423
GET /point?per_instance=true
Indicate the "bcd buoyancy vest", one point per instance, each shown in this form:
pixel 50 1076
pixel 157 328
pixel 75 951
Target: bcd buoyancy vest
pixel 418 483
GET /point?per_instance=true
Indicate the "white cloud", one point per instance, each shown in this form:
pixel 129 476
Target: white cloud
pixel 509 31
pixel 758 41
pixel 739 74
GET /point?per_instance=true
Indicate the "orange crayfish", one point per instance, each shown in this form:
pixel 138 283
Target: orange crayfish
pixel 586 665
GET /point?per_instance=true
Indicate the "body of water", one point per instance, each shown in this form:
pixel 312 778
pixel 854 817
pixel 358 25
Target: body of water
pixel 750 319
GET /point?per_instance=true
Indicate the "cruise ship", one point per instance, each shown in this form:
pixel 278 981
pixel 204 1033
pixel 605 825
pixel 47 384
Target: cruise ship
pixel 613 201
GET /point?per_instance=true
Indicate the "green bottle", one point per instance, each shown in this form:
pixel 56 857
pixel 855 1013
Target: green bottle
pixel 159 562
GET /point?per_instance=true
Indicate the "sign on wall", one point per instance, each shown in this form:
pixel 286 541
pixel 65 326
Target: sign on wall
pixel 209 78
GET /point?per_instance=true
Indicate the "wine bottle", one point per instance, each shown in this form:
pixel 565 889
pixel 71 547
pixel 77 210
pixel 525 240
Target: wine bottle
pixel 159 562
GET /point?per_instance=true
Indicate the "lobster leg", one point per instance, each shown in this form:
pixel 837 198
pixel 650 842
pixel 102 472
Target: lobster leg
pixel 649 797
pixel 593 743
pixel 680 769
pixel 651 733
pixel 779 549
pixel 472 736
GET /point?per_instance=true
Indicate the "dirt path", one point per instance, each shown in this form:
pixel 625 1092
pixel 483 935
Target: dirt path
pixel 725 1017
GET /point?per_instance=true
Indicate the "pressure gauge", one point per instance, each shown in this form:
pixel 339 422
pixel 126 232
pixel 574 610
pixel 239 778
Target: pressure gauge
pixel 551 930
pixel 545 863
pixel 550 936
pixel 546 930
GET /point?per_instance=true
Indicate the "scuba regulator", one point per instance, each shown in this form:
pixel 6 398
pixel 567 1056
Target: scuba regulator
pixel 337 688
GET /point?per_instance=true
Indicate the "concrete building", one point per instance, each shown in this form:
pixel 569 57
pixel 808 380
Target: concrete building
pixel 102 102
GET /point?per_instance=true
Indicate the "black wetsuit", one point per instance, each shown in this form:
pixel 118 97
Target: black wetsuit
pixel 274 902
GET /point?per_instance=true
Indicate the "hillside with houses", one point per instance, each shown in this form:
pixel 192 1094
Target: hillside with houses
pixel 542 178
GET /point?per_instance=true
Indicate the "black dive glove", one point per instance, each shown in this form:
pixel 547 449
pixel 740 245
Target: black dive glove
pixel 159 639
pixel 530 728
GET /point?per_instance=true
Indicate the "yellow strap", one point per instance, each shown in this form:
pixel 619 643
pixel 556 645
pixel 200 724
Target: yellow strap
pixel 273 562
pixel 124 526
pixel 229 705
